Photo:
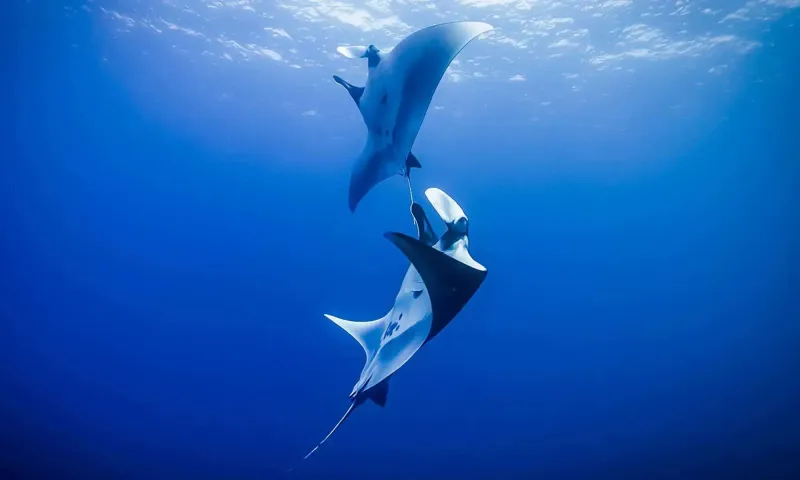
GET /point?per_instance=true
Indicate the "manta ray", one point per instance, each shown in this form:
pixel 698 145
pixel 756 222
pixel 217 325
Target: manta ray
pixel 441 279
pixel 400 85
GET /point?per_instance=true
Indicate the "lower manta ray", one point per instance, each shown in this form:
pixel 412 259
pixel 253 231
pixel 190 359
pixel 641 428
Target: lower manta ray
pixel 441 279
pixel 399 89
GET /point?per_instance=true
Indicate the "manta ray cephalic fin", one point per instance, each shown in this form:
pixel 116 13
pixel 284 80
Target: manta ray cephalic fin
pixel 352 51
pixel 425 232
pixel 355 92
pixel 449 211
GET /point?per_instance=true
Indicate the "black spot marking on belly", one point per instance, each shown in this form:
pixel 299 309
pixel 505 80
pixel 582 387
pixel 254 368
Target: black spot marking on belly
pixel 384 98
pixel 390 329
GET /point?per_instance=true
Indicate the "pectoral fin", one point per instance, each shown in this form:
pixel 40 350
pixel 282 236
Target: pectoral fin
pixel 421 59
pixel 372 167
pixel 450 283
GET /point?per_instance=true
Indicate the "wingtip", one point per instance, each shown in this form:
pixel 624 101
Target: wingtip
pixel 391 236
pixel 485 30
pixel 403 241
pixel 480 28
pixel 353 200
pixel 396 238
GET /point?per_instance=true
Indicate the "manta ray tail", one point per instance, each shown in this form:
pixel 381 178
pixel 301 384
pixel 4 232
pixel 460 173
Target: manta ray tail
pixel 411 162
pixel 341 420
pixel 411 194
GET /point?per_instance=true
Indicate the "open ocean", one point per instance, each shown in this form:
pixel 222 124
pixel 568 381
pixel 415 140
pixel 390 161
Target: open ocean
pixel 174 224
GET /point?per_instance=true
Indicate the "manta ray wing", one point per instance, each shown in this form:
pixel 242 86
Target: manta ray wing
pixel 450 283
pixel 422 59
pixel 367 334
pixel 372 167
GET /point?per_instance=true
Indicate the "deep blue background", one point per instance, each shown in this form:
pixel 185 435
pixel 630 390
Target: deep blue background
pixel 162 298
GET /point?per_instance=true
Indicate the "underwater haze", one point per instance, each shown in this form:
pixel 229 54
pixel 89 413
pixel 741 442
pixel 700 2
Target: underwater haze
pixel 173 199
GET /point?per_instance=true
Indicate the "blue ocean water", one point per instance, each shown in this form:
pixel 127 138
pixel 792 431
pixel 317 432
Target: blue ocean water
pixel 175 223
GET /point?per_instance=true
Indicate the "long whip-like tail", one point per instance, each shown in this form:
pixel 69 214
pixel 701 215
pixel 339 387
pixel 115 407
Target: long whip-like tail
pixel 411 194
pixel 410 190
pixel 344 417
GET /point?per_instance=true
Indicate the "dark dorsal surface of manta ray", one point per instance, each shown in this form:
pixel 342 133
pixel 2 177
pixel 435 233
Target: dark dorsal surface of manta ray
pixel 399 89
pixel 440 281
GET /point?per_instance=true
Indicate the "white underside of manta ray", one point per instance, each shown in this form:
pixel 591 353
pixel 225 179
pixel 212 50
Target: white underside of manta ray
pixel 400 86
pixel 440 281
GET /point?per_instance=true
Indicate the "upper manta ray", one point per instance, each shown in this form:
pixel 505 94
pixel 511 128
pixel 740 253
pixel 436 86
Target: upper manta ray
pixel 400 85
pixel 441 279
